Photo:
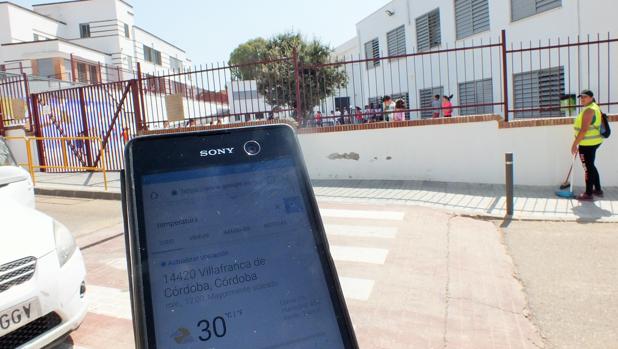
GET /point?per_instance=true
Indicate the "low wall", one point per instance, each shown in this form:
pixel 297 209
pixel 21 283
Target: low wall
pixel 464 149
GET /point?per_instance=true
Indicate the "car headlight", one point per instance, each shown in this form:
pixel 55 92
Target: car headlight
pixel 65 243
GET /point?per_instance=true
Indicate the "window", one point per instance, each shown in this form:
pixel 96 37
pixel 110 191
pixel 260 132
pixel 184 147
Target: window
pixel 82 72
pixel 476 92
pixel 471 17
pixel 526 8
pixel 151 55
pixel 94 74
pixel 130 63
pixel 396 41
pixel 538 89
pixel 127 34
pixel 372 50
pixel 428 30
pixel 342 103
pixel 46 68
pixel 425 97
pixel 175 63
pixel 84 30
pixel 36 37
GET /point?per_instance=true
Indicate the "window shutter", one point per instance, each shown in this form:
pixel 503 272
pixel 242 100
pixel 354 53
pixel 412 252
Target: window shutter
pixel 544 5
pixel 463 18
pixel 476 92
pixel 422 33
pixel 526 8
pixel 396 41
pixel 425 96
pixel 538 89
pixel 434 28
pixel 372 50
pixel 480 15
pixel 428 30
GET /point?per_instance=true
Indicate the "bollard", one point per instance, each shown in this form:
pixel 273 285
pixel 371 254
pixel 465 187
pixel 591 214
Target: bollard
pixel 508 161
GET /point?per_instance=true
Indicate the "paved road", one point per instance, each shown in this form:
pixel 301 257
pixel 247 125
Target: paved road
pixel 412 277
pixel 570 272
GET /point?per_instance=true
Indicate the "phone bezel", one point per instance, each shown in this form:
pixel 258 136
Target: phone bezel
pixel 151 154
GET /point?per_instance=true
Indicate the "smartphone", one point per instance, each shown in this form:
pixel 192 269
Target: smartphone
pixel 226 246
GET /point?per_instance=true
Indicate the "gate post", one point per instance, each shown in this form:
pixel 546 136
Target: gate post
pixel 297 84
pixel 1 118
pixel 505 83
pixel 82 107
pixel 34 98
pixel 27 94
pixel 140 87
pixel 139 124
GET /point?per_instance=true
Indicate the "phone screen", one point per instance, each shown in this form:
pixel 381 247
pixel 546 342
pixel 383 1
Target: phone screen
pixel 232 259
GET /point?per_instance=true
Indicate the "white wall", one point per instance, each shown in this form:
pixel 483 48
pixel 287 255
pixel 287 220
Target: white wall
pixel 413 74
pixel 22 25
pixel 142 37
pixel 468 152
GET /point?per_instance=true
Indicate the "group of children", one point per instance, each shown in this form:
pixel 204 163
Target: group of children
pixel 390 111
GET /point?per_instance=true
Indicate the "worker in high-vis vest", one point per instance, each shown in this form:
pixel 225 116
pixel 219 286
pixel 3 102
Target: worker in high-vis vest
pixel 587 130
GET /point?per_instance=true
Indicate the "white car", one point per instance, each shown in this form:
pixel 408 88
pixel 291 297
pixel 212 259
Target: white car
pixel 15 182
pixel 42 273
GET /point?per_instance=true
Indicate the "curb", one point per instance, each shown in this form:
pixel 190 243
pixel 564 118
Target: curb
pixel 81 194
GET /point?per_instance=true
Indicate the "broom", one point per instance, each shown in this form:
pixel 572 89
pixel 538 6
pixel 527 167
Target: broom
pixel 567 194
pixel 566 182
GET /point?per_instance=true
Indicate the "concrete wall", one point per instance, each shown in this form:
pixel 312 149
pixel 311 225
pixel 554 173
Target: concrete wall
pixel 460 152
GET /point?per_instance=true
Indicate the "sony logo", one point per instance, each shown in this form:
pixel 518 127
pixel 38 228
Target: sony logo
pixel 213 152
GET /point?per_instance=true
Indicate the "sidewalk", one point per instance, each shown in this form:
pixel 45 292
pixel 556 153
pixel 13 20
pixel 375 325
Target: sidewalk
pixel 537 203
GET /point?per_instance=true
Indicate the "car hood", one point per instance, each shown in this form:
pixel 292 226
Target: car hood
pixel 12 174
pixel 25 232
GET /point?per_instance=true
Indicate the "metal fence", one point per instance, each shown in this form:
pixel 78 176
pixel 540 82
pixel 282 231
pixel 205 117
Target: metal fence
pixel 482 77
pixel 14 101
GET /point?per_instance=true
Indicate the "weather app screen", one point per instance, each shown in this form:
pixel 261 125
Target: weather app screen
pixel 233 262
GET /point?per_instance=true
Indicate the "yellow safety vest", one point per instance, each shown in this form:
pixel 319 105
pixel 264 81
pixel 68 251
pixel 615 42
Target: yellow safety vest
pixel 593 135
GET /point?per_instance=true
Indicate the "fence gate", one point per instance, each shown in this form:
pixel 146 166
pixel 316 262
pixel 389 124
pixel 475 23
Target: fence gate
pixel 109 111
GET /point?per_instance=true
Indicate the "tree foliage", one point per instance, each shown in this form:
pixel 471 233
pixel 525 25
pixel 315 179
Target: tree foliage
pixel 275 77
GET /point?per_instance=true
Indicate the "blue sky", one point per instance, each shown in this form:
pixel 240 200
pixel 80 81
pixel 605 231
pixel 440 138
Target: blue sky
pixel 209 30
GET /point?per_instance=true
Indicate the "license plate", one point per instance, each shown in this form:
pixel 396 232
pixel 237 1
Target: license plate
pixel 19 315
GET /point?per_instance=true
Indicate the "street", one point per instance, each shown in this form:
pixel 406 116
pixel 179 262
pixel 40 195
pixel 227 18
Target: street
pixel 412 277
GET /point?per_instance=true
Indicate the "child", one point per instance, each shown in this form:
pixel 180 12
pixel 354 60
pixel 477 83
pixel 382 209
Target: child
pixel 447 106
pixel 435 106
pixel 400 106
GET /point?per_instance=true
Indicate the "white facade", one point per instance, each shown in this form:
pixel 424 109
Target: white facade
pixel 93 32
pixel 568 20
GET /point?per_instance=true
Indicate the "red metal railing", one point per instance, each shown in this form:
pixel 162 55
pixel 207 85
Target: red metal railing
pixel 14 101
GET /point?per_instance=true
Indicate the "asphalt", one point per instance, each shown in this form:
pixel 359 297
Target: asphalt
pixel 570 274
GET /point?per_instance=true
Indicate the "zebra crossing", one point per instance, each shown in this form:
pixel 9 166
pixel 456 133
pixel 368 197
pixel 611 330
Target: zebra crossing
pixel 344 227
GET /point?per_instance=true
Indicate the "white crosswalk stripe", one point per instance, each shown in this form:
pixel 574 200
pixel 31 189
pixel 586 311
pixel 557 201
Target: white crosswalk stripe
pixel 362 214
pixel 355 288
pixel 343 226
pixel 109 301
pixel 358 254
pixel 361 231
